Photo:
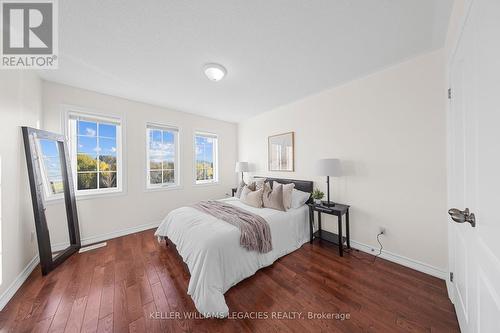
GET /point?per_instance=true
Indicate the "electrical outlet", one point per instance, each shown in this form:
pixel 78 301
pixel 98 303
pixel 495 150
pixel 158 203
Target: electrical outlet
pixel 381 230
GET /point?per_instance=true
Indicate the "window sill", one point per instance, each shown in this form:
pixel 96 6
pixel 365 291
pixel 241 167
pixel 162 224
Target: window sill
pixel 95 195
pixel 214 183
pixel 163 188
pixel 89 196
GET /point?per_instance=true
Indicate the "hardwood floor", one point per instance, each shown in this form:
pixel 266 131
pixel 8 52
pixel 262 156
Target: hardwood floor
pixel 118 287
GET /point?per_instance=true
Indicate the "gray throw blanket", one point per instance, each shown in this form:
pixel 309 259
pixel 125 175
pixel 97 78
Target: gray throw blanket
pixel 255 231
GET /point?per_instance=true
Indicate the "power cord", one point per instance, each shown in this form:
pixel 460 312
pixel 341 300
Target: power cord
pixel 371 261
pixel 381 246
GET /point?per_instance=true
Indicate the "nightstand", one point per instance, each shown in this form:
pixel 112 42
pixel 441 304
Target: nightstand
pixel 338 210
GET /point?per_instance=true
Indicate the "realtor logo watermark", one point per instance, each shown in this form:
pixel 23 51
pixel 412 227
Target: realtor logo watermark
pixel 29 34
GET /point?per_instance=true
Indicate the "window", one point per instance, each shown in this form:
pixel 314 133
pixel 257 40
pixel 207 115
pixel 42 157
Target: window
pixel 162 156
pixel 95 146
pixel 205 147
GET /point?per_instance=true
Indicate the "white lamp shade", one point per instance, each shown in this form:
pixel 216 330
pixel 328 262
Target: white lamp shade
pixel 329 167
pixel 241 167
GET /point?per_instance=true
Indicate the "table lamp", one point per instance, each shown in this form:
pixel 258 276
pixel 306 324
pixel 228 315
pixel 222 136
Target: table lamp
pixel 328 167
pixel 241 167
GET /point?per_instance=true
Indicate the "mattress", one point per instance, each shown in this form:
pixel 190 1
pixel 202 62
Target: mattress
pixel 211 250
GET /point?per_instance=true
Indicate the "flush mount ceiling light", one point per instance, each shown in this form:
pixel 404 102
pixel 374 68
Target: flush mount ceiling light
pixel 214 72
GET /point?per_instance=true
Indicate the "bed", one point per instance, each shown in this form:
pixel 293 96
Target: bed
pixel 211 249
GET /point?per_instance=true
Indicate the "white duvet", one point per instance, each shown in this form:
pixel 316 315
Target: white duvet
pixel 211 249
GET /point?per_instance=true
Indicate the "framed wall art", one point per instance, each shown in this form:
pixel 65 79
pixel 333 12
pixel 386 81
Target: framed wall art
pixel 281 151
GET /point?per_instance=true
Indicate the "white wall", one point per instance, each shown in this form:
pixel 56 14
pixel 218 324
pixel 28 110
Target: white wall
pixel 389 130
pixel 107 215
pixel 20 104
pixel 457 18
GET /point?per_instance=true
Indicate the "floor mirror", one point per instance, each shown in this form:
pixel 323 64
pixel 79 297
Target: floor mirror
pixel 53 196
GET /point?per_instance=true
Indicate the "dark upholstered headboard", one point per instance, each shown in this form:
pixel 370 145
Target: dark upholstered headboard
pixel 301 185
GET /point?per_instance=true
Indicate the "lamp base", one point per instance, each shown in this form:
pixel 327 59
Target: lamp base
pixel 328 203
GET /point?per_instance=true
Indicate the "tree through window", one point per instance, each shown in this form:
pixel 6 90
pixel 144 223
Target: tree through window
pixel 206 158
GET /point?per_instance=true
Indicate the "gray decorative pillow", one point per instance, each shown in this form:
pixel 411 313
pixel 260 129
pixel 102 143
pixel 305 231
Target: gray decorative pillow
pixel 273 198
pixel 239 188
pixel 287 194
pixel 250 185
pixel 259 182
pixel 251 198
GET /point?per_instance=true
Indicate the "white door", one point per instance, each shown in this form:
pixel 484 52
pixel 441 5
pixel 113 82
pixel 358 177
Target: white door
pixel 474 166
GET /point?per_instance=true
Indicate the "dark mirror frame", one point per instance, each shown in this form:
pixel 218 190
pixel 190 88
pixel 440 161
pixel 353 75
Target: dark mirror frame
pixel 36 180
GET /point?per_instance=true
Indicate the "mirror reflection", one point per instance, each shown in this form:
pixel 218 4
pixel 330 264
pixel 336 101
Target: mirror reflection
pixel 55 208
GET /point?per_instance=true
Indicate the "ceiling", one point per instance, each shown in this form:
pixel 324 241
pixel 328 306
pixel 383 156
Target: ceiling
pixel 275 51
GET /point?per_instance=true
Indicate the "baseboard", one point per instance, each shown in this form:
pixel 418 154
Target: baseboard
pixel 18 282
pixel 449 288
pixel 119 233
pixel 398 259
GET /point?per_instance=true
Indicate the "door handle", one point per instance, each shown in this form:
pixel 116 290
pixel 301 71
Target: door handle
pixel 461 216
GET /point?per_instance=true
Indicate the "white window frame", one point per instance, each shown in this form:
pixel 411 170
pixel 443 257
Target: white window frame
pixel 177 158
pixel 215 180
pixel 72 112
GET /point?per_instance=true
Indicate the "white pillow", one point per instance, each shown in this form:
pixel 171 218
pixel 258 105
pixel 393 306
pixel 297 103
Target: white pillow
pixel 299 198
